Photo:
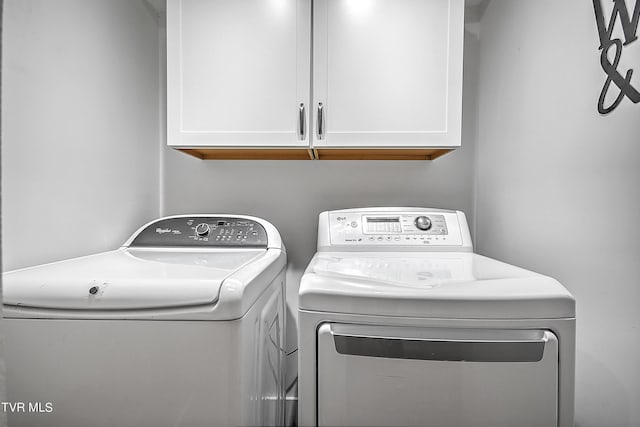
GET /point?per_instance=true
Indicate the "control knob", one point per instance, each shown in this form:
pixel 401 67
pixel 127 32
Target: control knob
pixel 202 229
pixel 423 223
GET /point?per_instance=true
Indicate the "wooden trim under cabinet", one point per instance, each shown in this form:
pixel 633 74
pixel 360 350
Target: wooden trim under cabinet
pixel 249 153
pixel 317 153
pixel 380 153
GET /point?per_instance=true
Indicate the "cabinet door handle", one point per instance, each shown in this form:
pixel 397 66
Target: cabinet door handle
pixel 301 123
pixel 320 121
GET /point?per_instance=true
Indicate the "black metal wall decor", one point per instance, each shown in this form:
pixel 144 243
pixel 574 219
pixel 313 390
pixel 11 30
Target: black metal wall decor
pixel 629 26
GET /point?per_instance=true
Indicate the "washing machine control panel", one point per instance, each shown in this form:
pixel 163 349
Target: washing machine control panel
pixel 202 232
pixel 394 229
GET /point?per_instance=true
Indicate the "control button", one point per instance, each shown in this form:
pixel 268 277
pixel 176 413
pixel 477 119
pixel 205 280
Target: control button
pixel 202 229
pixel 354 224
pixel 388 237
pixel 379 238
pixel 372 238
pixel 397 238
pixel 423 223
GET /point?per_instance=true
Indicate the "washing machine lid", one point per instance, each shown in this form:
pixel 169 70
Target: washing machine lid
pixel 127 279
pixel 433 285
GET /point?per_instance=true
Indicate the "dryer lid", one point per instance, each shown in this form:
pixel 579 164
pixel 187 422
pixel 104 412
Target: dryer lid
pixel 433 285
pixel 127 279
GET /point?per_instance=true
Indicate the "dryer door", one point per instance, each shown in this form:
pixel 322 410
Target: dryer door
pixel 382 376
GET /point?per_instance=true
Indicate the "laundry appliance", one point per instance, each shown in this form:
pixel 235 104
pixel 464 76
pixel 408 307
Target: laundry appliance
pixel 181 326
pixel 400 323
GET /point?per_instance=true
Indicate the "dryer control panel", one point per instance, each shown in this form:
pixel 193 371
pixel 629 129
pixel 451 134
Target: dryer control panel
pixel 383 227
pixel 202 232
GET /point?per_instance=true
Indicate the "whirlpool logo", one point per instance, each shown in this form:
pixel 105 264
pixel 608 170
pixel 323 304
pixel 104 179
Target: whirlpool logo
pixel 611 51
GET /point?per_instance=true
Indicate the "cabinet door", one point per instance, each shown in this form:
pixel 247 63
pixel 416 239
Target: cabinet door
pixel 238 72
pixel 388 73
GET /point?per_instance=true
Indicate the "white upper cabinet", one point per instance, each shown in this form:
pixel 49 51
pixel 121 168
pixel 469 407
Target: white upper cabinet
pixel 386 79
pixel 238 73
pixel 388 73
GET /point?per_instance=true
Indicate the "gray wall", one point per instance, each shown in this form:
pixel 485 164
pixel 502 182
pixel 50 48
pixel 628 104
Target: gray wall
pixel 557 185
pixel 80 126
pixel 291 194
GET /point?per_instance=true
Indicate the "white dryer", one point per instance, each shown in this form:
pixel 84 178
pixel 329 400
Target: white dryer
pixel 181 326
pixel 400 323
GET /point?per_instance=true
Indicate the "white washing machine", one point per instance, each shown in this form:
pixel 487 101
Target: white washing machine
pixel 400 323
pixel 181 326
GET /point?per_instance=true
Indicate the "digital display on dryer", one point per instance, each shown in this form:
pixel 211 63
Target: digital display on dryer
pixel 382 224
pixel 383 219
